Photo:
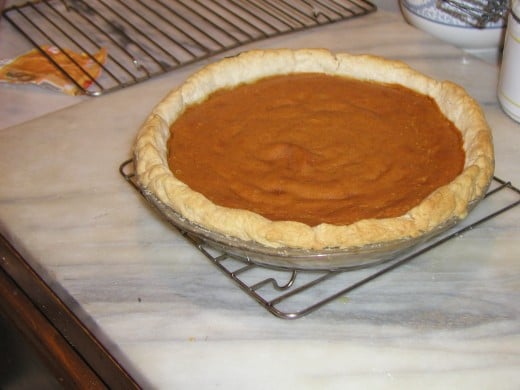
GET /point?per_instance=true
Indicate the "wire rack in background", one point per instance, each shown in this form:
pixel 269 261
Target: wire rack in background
pixel 146 38
pixel 292 293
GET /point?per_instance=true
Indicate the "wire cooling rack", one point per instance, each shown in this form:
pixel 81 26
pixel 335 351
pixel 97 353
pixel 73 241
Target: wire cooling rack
pixel 146 38
pixel 292 294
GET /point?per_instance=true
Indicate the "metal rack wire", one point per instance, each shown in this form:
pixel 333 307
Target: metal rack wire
pixel 302 292
pixel 146 38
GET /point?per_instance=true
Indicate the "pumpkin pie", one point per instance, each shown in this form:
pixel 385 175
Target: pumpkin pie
pixel 314 150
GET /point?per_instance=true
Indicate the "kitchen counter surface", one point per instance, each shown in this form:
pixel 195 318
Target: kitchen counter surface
pixel 449 318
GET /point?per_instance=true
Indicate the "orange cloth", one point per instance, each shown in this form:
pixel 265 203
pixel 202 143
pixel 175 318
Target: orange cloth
pixel 35 68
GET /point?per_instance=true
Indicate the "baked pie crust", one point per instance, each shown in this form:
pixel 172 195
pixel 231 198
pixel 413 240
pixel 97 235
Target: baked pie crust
pixel 446 205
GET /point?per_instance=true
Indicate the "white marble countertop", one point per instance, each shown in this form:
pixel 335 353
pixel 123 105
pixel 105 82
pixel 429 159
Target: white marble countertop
pixel 448 319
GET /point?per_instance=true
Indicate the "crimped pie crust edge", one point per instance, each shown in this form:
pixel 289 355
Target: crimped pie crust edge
pixel 447 203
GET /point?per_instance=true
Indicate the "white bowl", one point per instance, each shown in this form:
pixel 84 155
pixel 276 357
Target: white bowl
pixel 425 15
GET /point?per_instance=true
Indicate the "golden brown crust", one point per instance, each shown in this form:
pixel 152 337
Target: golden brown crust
pixel 446 203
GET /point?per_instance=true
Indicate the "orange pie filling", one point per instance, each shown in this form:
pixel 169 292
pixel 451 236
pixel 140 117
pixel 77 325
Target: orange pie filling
pixel 316 148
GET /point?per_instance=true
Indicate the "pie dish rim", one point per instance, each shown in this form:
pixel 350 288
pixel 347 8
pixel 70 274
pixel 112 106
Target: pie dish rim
pixel 448 203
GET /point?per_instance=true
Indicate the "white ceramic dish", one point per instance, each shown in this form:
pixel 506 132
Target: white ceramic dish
pixel 427 16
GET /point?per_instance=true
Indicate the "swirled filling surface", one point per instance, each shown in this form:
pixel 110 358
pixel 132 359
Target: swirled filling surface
pixel 316 148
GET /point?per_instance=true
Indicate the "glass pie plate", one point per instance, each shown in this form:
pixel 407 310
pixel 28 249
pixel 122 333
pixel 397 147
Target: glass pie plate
pixel 293 258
